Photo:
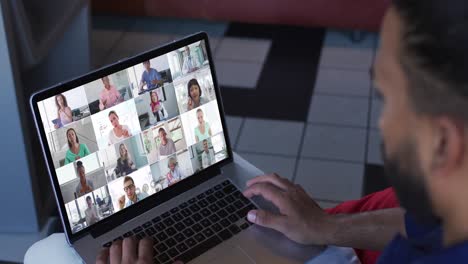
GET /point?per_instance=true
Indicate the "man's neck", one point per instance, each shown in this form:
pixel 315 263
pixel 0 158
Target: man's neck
pixel 455 228
pixel 134 198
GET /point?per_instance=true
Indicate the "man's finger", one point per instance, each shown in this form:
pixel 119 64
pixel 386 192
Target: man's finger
pixel 145 250
pixel 129 249
pixel 115 252
pixel 271 193
pixel 267 219
pixel 103 256
pixel 274 179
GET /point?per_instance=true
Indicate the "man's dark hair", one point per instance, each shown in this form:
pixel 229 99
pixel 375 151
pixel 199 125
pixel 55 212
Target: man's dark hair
pixel 88 198
pixel 128 178
pixel 434 55
pixel 79 164
pixel 161 130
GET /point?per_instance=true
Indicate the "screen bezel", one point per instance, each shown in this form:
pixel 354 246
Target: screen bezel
pixel 156 199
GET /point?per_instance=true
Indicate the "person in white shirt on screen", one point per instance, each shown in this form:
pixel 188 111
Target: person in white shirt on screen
pixel 91 212
pixel 207 158
pixel 132 196
pixel 190 63
pixel 203 130
pixel 175 174
pixel 167 146
pixel 119 132
pixel 84 186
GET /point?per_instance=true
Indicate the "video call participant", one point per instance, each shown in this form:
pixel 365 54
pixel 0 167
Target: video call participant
pixel 195 95
pixel 207 158
pixel 91 212
pixel 125 164
pixel 75 150
pixel 150 78
pixel 167 146
pixel 119 132
pixel 203 130
pixel 190 64
pixel 109 96
pixel 158 110
pixel 64 113
pixel 132 197
pixel 84 186
pixel 175 174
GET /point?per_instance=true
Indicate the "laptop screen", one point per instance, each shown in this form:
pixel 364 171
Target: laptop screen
pixel 119 139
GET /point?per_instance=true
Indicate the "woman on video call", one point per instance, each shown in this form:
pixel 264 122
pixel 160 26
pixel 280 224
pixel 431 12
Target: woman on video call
pixel 75 150
pixel 174 175
pixel 203 130
pixel 119 132
pixel 64 113
pixel 125 164
pixel 157 108
pixel 195 95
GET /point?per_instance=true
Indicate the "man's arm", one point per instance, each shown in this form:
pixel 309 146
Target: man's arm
pixel 302 220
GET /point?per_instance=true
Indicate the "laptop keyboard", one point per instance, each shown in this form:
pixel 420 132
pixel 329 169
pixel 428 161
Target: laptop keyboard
pixel 196 225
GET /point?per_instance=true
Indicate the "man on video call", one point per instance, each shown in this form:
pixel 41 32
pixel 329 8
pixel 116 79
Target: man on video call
pixel 150 78
pixel 421 72
pixel 130 191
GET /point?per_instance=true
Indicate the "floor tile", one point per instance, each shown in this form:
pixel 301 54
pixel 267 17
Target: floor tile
pixel 374 154
pixel 376 109
pixel 347 58
pixel 283 166
pixel 330 180
pixel 335 38
pixel 339 110
pixel 243 49
pixel 238 74
pixel 270 136
pixel 335 143
pixel 234 124
pixel 343 82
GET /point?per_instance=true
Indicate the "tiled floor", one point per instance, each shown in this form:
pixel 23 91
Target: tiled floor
pixel 328 145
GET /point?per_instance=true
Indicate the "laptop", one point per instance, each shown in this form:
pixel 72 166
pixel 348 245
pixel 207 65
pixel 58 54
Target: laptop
pixel 177 180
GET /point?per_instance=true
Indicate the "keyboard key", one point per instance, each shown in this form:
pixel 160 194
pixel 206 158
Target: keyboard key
pixel 171 231
pixel 191 201
pixel 222 213
pixel 244 226
pixel 174 210
pixel 156 219
pixel 128 234
pixel 179 237
pixel 183 205
pixel 205 222
pixel 218 187
pixel 233 218
pixel 226 182
pixel 166 214
pixel 237 194
pixel 229 189
pixel 234 229
pixel 188 232
pixel 147 224
pixel 170 242
pixel 186 212
pixel 225 223
pixel 194 208
pixel 138 229
pixel 229 199
pixel 200 237
pixel 200 196
pixel 238 204
pixel 205 212
pixel 203 203
pixel 181 247
pixel 173 252
pixel 209 192
pixel 168 221
pixel 197 217
pixel 225 234
pixel 161 236
pixel 208 232
pixel 159 226
pixel 197 228
pixel 214 208
pixel 243 212
pixel 150 231
pixel 161 247
pixel 214 218
pixel 216 227
pixel 179 227
pixel 211 199
pixel 178 217
pixel 199 249
pixel 221 203
pixel 108 244
pixel 118 238
pixel 141 235
pixel 188 221
pixel 230 209
pixel 219 194
pixel 191 242
pixel 163 258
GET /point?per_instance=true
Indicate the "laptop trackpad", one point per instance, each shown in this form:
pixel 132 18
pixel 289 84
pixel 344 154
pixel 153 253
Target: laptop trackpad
pixel 231 255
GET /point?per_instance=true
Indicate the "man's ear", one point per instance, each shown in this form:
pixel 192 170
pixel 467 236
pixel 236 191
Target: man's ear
pixel 448 145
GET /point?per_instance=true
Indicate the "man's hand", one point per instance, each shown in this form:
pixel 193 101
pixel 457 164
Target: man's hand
pixel 300 218
pixel 128 251
pixel 122 201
